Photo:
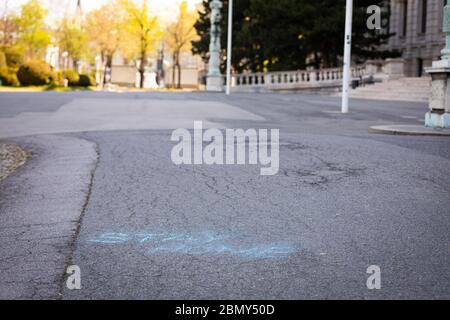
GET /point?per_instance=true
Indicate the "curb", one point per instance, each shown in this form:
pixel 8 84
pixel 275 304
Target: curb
pixel 409 130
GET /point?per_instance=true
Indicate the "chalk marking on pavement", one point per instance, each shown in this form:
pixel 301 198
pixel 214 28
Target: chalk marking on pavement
pixel 203 243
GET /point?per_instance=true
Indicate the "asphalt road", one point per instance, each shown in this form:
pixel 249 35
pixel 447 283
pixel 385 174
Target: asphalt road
pixel 140 227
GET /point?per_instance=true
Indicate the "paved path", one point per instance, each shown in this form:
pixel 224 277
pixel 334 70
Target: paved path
pixel 81 115
pixel 40 210
pixel 344 199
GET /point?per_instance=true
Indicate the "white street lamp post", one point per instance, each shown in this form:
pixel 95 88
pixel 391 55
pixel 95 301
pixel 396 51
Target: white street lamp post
pixel 229 46
pixel 347 55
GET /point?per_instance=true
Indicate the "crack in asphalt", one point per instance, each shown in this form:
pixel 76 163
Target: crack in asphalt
pixel 74 238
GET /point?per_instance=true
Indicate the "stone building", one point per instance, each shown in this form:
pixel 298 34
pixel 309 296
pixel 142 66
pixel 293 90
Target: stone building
pixel 417 28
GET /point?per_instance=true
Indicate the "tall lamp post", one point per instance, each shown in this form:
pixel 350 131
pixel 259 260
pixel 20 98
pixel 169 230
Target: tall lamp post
pixel 438 115
pixel 347 55
pixel 229 46
pixel 214 81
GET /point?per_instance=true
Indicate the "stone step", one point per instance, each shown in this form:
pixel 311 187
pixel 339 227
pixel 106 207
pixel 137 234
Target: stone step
pixel 392 98
pixel 414 79
pixel 390 94
pixel 399 92
pixel 417 93
pixel 373 95
pixel 396 85
pixel 404 89
pixel 374 92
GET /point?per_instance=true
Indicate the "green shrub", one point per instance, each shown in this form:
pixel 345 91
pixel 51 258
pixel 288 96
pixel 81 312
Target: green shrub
pixel 8 77
pixel 35 73
pixel 86 81
pixel 3 60
pixel 57 79
pixel 72 77
pixel 14 56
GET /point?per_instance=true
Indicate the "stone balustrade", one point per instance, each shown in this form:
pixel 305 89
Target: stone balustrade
pixel 291 80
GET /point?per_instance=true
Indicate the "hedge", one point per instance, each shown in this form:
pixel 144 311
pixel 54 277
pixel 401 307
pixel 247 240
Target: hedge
pixel 14 56
pixel 8 77
pixel 3 63
pixel 86 81
pixel 72 76
pixel 35 73
pixel 57 79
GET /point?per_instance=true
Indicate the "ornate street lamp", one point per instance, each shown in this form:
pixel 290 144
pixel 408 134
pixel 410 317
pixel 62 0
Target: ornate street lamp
pixel 214 81
pixel 438 115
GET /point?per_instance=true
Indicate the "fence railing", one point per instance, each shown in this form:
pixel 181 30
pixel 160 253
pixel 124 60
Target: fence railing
pixel 293 79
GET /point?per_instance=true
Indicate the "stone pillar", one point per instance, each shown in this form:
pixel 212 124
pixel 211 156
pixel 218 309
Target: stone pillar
pixel 439 114
pixel 394 68
pixel 214 80
pixel 372 67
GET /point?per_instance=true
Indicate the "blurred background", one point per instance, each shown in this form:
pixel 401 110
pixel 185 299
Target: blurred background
pixel 164 44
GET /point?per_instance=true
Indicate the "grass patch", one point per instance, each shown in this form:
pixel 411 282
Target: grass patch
pixel 68 89
pixel 44 88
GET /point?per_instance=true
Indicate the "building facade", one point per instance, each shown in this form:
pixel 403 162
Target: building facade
pixel 418 35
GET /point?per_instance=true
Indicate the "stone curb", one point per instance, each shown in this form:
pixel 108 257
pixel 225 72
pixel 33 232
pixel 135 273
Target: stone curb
pixel 412 130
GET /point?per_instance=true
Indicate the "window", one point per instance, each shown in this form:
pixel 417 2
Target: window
pixel 423 10
pixel 404 18
pixel 420 67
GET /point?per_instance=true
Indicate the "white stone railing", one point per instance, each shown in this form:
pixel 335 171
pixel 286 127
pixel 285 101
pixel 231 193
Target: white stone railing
pixel 292 79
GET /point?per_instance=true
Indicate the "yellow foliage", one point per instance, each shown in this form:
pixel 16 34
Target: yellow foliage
pixel 182 31
pixel 142 29
pixel 105 27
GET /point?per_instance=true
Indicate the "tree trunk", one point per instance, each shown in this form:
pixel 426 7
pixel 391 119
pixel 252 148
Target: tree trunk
pixel 174 65
pixel 316 60
pixel 141 80
pixel 142 71
pixel 108 64
pixel 143 58
pixel 179 75
pixel 179 69
pixel 172 85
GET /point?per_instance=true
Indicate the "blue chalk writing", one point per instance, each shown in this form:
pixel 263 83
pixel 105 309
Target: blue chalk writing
pixel 203 243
